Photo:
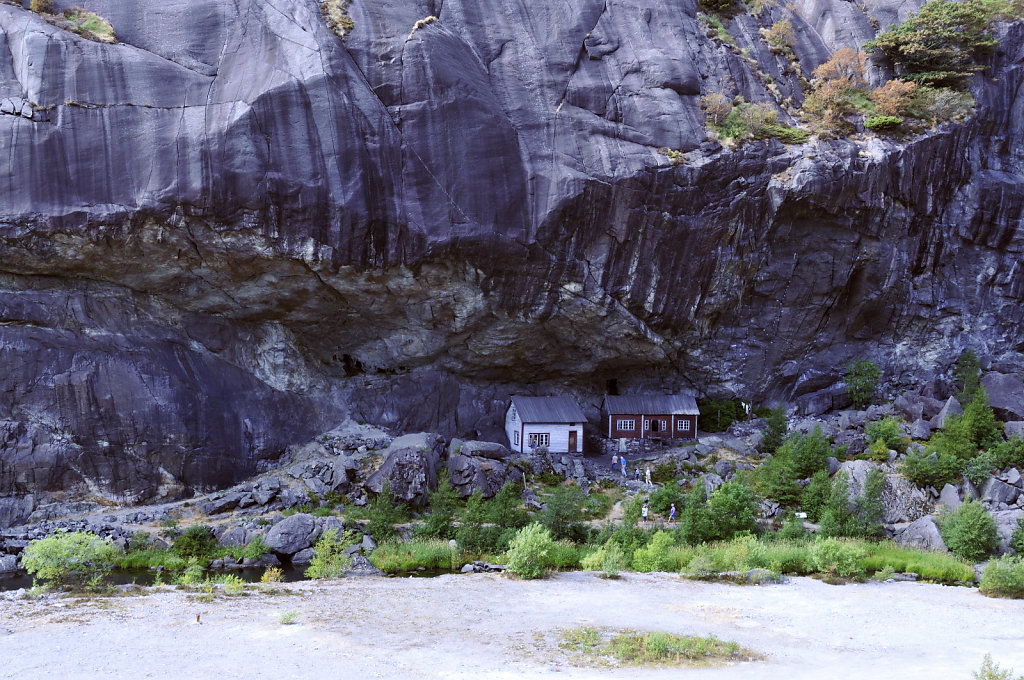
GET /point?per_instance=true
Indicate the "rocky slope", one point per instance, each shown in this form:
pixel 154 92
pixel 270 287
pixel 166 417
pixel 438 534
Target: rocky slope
pixel 227 231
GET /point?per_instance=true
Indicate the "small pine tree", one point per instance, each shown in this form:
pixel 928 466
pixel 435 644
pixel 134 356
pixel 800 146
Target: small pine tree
pixel 775 433
pixel 862 381
pixel 967 374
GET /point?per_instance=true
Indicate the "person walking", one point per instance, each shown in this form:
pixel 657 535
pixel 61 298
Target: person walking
pixel 672 513
pixel 647 476
pixel 636 474
pixel 643 511
pixel 622 461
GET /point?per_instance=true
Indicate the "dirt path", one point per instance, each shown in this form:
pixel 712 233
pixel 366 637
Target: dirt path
pixel 490 626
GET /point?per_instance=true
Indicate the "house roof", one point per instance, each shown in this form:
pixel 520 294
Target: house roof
pixel 561 409
pixel 654 404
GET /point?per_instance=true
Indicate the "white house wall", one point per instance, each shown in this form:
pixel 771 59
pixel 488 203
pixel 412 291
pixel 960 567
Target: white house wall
pixel 511 427
pixel 559 436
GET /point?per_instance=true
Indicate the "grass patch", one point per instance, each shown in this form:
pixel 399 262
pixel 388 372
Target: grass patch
pixel 89 25
pixel 1004 577
pixel 429 553
pixel 641 648
pixel 931 566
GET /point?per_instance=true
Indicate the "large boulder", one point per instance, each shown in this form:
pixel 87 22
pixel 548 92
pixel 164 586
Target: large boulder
pixel 1006 523
pixel 485 450
pixel 997 491
pixel 470 473
pixel 410 466
pixel 921 430
pixel 1013 428
pixel 1005 395
pixel 923 534
pixel 950 497
pixel 903 501
pixel 949 409
pixel 292 534
pixel 8 564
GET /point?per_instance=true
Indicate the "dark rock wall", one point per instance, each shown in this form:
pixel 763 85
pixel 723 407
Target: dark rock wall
pixel 231 229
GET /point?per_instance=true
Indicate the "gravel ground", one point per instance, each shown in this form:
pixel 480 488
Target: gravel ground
pixel 490 626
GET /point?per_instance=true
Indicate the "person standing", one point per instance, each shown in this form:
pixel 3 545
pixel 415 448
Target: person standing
pixel 615 463
pixel 672 513
pixel 622 464
pixel 636 474
pixel 647 476
pixel 643 511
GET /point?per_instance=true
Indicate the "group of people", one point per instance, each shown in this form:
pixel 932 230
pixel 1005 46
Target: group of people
pixel 645 511
pixel 619 463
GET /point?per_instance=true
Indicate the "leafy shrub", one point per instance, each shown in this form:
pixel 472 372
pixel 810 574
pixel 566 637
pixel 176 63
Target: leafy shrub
pixel 90 25
pixel 443 504
pixel 860 519
pixel 42 6
pixel 563 514
pixel 893 98
pixel 472 535
pixel 429 553
pixel 77 558
pixel 985 431
pixel 717 108
pixel 197 542
pixel 633 510
pixel 1008 454
pixel 780 37
pixel 566 555
pixel 654 556
pixel 970 532
pixel 1004 577
pixel 808 452
pixel 937 45
pixel 838 557
pixel 733 509
pixel 272 575
pixel 792 529
pixel 527 556
pixel 608 559
pixel 941 103
pixel 777 480
pixel 1017 538
pixel 934 469
pixel 990 670
pixel 862 381
pixel 816 495
pixel 329 559
pixel 888 431
pixel 664 472
pixel 664 497
pixel 979 468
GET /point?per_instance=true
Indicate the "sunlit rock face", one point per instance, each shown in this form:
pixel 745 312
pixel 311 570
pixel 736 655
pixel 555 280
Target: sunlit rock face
pixel 232 228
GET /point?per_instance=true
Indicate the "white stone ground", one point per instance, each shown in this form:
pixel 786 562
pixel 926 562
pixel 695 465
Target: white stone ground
pixel 490 626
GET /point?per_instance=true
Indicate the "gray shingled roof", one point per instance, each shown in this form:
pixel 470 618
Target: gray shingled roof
pixel 637 404
pixel 562 409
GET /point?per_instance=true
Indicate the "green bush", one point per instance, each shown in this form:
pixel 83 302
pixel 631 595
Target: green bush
pixel 717 416
pixel 990 670
pixel 985 431
pixel 654 556
pixel 967 374
pixel 934 468
pixel 631 513
pixel 979 468
pixel 860 519
pixel 664 472
pixel 938 44
pixel 792 529
pixel 608 559
pixel 733 509
pixel 1017 538
pixel 1008 454
pixel 384 513
pixel 664 497
pixel 329 559
pixel 563 514
pixel 775 432
pixel 970 532
pixel 1004 577
pixel 888 431
pixel 429 553
pixel 777 480
pixel 809 452
pixel 473 535
pixel 443 504
pixel 77 558
pixel 816 495
pixel 862 381
pixel 527 556
pixel 883 123
pixel 838 557
pixel 197 542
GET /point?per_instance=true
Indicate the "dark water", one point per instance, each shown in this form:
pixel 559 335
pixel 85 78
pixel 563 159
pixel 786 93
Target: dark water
pixel 145 577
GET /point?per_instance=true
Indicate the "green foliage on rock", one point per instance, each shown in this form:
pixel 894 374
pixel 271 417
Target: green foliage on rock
pixel 862 381
pixel 816 495
pixel 882 123
pixel 608 559
pixel 887 430
pixel 934 468
pixel 1017 537
pixel 76 558
pixel 861 518
pixel 730 510
pixel 528 554
pixel 990 670
pixel 384 513
pixel 664 497
pixel 939 44
pixel 970 532
pixel 655 555
pixel 443 504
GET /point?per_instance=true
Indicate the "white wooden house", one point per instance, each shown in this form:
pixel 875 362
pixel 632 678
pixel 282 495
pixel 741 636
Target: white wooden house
pixel 554 422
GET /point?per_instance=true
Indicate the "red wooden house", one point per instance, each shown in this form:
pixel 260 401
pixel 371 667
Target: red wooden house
pixel 650 416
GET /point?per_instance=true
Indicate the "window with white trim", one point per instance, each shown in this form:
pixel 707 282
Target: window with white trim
pixel 539 439
pixel 515 436
pixel 625 424
pixel 683 425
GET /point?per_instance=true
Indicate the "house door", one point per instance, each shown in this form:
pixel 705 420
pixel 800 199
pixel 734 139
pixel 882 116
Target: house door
pixel 572 441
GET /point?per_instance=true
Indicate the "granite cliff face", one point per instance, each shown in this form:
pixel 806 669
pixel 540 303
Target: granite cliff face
pixel 232 228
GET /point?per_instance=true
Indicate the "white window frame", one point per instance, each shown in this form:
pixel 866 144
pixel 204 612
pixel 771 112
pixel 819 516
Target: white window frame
pixel 625 424
pixel 515 436
pixel 683 425
pixel 539 439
